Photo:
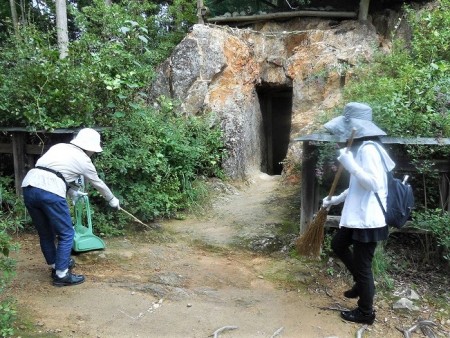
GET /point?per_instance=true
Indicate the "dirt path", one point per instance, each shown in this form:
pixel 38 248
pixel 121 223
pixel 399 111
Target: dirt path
pixel 190 279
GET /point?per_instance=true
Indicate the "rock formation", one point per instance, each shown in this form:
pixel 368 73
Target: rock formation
pixel 227 71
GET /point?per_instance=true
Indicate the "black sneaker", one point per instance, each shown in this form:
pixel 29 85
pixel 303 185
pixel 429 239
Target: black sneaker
pixel 68 280
pixel 352 293
pixel 71 266
pixel 357 316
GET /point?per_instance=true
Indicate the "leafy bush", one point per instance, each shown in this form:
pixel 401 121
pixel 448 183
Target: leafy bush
pixel 152 158
pixel 409 88
pixel 111 62
pixel 7 264
pixel 438 223
pixel 380 266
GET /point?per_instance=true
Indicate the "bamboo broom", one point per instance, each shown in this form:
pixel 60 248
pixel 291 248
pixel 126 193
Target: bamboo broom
pixel 310 243
pixel 135 218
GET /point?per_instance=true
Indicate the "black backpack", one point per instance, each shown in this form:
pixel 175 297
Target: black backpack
pixel 400 199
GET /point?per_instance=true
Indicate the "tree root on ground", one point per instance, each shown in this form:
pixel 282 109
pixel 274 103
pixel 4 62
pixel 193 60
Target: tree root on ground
pixel 360 332
pixel 425 326
pixel 218 331
pixel 277 332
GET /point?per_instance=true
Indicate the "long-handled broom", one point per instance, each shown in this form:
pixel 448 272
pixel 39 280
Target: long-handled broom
pixel 136 219
pixel 310 243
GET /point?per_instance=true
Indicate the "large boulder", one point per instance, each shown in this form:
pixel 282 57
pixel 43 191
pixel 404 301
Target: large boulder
pixel 220 70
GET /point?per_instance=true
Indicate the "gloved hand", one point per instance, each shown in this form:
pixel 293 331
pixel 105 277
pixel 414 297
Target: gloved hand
pixel 76 194
pixel 329 202
pixel 114 203
pixel 347 160
pixel 334 200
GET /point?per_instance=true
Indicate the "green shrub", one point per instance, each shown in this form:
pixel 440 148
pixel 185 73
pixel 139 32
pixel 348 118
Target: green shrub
pixel 8 224
pixel 438 223
pixel 111 61
pixel 7 318
pixel 380 266
pixel 152 158
pixel 409 88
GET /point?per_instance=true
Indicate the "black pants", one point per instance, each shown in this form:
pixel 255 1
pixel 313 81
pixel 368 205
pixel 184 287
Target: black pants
pixel 359 262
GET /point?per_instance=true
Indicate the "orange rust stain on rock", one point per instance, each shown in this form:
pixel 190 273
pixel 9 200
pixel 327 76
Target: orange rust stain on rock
pixel 239 75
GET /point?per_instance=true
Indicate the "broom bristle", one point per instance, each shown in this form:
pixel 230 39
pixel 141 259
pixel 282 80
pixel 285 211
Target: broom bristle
pixel 310 243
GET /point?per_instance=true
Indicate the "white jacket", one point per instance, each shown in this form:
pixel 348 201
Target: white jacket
pixel 361 208
pixel 71 161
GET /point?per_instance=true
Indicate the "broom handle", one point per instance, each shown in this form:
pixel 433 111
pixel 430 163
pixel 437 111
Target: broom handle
pixel 341 167
pixel 133 217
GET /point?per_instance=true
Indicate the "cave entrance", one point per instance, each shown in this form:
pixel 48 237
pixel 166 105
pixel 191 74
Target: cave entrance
pixel 276 110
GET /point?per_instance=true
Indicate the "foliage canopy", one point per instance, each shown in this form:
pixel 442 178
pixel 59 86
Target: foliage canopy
pixel 409 88
pixel 153 155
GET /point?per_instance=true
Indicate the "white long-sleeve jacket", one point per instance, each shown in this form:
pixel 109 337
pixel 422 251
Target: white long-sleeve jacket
pixel 361 208
pixel 71 161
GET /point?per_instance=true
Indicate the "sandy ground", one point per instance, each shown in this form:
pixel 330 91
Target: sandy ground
pixel 191 278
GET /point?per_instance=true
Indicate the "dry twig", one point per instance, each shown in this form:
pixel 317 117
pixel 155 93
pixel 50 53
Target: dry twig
pixel 218 331
pixel 277 332
pixel 335 307
pixel 360 332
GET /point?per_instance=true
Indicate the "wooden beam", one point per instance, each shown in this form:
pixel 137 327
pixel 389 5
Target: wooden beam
pixel 384 139
pixel 283 15
pixel 333 222
pixel 32 149
pixel 18 145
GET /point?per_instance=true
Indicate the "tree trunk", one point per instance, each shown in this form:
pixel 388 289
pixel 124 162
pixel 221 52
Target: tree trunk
pixel 14 16
pixel 199 12
pixel 363 10
pixel 61 27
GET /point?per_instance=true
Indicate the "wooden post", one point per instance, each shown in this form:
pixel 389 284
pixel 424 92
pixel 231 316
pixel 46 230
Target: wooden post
pixel 268 121
pixel 308 189
pixel 199 12
pixel 18 143
pixel 363 10
pixel 444 191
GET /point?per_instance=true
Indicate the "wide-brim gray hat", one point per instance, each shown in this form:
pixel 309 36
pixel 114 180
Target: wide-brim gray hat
pixel 355 115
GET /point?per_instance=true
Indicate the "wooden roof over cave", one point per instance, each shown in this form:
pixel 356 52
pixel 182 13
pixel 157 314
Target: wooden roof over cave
pixel 242 12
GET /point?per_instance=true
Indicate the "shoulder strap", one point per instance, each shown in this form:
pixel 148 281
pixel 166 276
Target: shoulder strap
pixel 385 168
pixel 381 156
pixel 57 173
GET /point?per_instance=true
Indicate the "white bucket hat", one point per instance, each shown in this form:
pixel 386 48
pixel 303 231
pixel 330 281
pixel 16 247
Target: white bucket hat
pixel 88 139
pixel 356 115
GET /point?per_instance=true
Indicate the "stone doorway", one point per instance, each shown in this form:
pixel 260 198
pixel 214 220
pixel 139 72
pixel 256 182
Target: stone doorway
pixel 276 110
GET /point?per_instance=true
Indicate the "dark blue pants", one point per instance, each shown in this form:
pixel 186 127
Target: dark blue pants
pixel 359 262
pixel 51 217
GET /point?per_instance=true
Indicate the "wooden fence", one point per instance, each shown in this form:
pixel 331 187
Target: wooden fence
pixel 311 197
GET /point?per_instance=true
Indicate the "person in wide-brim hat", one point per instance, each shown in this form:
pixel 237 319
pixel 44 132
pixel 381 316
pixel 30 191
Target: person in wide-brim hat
pixel 362 222
pixel 355 115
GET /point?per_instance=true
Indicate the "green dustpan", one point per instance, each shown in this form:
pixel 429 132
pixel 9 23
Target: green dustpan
pixel 84 239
